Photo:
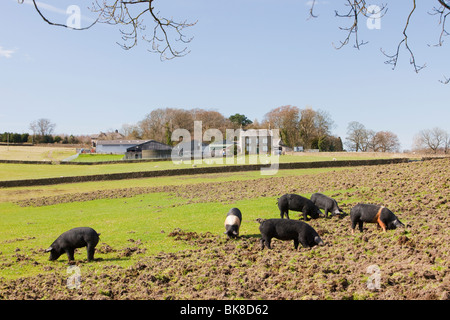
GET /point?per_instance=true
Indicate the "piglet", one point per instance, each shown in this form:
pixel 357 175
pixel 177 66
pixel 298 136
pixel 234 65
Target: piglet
pixel 72 239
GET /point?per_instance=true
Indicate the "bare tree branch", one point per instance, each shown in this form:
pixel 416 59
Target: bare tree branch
pixel 311 10
pixel 130 14
pixel 445 81
pixel 357 8
pixel 57 24
pixel 445 4
pixel 393 59
pixel 443 14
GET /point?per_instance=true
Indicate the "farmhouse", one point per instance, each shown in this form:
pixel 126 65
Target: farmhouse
pixel 150 149
pixel 259 141
pixel 116 135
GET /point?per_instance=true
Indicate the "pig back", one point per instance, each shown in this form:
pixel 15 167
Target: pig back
pixel 235 212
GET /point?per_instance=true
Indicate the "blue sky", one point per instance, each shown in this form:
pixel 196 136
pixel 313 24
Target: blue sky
pixel 247 56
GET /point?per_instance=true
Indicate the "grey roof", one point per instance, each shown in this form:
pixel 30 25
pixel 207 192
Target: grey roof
pixel 149 145
pixel 120 142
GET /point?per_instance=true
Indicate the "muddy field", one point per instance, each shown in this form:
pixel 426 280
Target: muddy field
pixel 412 263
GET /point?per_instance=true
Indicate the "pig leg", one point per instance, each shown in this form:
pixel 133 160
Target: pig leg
pixel 305 217
pixel 379 221
pixel 326 213
pixel 70 254
pixel 262 243
pixel 304 243
pixel 381 224
pixel 90 252
pixel 296 244
pixel 360 225
pixel 284 213
pixel 265 241
pixel 353 225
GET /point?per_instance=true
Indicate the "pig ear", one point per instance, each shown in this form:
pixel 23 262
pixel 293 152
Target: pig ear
pixel 49 249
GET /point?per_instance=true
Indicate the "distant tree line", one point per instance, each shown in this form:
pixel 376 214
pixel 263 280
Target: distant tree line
pixel 14 137
pixel 11 137
pixel 308 128
pixel 362 139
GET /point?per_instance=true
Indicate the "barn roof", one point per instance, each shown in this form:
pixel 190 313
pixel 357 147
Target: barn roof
pixel 120 142
pixel 149 145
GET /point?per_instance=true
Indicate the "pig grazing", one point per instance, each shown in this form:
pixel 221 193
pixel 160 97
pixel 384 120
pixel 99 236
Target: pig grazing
pixel 72 239
pixel 285 229
pixel 233 222
pixel 297 203
pixel 326 203
pixel 371 213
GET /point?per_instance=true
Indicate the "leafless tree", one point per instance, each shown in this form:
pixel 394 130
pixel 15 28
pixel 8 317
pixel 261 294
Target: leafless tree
pixel 130 15
pixel 432 139
pixel 385 141
pixel 357 134
pixel 160 123
pixel 131 131
pixel 42 127
pixel 286 119
pixel 307 127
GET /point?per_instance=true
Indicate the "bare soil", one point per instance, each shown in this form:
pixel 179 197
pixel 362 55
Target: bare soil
pixel 413 263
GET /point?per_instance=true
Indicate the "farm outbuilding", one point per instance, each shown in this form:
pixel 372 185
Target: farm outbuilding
pixel 150 149
pixel 116 146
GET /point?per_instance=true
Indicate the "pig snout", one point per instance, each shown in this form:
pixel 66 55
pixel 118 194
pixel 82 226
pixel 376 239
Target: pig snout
pixel 398 224
pixel 319 241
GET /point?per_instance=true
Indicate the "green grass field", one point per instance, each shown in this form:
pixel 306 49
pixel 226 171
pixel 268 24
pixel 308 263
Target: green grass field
pixel 145 218
pixel 92 157
pixel 10 171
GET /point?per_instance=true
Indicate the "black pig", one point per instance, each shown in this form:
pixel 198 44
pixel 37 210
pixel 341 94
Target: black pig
pixel 326 203
pixel 233 222
pixel 371 213
pixel 297 203
pixel 72 239
pixel 283 229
